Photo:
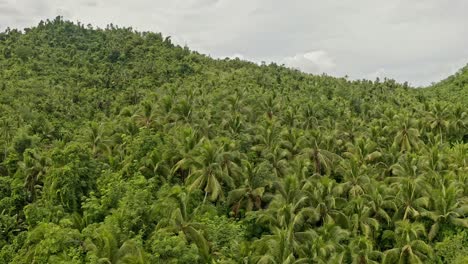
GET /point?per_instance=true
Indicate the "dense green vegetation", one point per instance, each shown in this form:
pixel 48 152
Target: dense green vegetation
pixel 120 147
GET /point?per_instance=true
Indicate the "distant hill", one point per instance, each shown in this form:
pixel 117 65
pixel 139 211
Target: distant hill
pixel 452 89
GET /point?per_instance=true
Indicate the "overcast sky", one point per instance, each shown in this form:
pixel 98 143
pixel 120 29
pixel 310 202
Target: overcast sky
pixel 420 41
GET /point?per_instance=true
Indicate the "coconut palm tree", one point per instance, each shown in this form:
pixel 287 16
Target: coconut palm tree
pixel 407 134
pixel 322 159
pixel 207 171
pixel 276 248
pixel 446 207
pixel 146 116
pixel 34 168
pixel 325 244
pixel 409 247
pixel 361 221
pixel 381 202
pixel 438 120
pixel 104 246
pixel 326 196
pixel 412 197
pixel 182 220
pixel 290 207
pixel 249 194
pixel 6 132
pixel 362 251
pixel 355 178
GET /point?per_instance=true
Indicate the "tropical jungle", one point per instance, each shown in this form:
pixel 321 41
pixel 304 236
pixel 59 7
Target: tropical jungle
pixel 119 146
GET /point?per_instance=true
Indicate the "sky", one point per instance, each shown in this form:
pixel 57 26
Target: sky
pixel 419 41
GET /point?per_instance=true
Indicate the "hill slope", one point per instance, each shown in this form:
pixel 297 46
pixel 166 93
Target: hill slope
pixel 120 147
pixel 452 89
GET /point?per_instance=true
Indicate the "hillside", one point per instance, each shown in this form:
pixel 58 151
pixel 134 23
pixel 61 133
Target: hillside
pixel 452 89
pixel 120 147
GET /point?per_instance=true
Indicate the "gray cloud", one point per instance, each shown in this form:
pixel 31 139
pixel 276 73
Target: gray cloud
pixel 415 41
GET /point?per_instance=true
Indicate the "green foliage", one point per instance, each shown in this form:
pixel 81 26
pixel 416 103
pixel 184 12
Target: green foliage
pixel 453 248
pixel 170 248
pixel 49 243
pixel 118 146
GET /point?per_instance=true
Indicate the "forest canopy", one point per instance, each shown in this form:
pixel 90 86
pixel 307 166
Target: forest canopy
pixel 119 146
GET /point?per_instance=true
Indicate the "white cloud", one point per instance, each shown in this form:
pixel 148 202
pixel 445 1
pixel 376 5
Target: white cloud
pixel 317 61
pixel 380 73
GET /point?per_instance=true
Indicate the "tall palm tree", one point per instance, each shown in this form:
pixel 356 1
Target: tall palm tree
pixel 96 138
pixel 407 134
pixel 291 205
pixel 364 150
pixel 446 206
pixel 288 215
pixel 207 171
pixel 326 196
pixel 355 178
pixel 146 116
pixel 409 247
pixel 412 196
pixel 459 124
pixel 275 248
pixel 381 202
pixel 104 247
pixel 6 132
pixel 182 220
pixel 362 251
pixel 322 159
pixel 438 120
pixel 34 168
pixel 278 160
pixel 361 221
pixel 250 192
pixel 325 244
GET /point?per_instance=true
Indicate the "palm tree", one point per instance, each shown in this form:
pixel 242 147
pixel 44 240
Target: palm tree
pixel 325 194
pixel 182 220
pixel 361 221
pixel 147 116
pixel 288 215
pixel 438 119
pixel 325 244
pixel 180 156
pixel 207 171
pixel 362 251
pixel 104 247
pixel 355 178
pixel 380 201
pixel 408 165
pixel 364 150
pixel 274 249
pixel 407 135
pixel 446 207
pixel 34 168
pixel 459 123
pixel 278 160
pixel 267 137
pixel 155 164
pixel 309 117
pixel 291 141
pixel 409 247
pixel 290 206
pixel 322 159
pixel 411 196
pixel 250 193
pixel 95 138
pixel 6 132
